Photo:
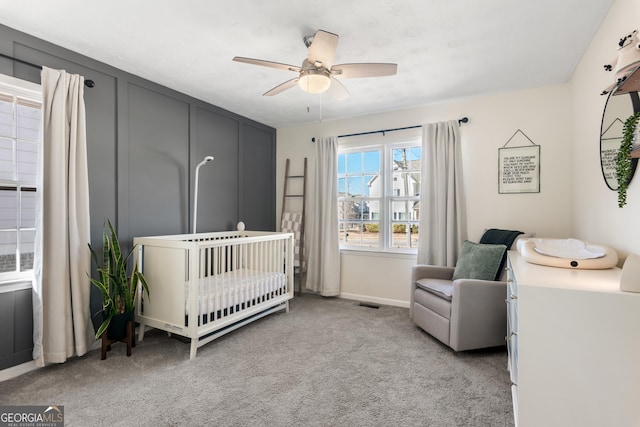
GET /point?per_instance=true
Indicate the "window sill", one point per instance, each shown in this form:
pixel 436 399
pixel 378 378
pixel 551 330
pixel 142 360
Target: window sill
pixel 378 253
pixel 16 285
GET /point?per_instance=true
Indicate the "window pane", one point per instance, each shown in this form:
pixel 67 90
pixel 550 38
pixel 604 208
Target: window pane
pixel 27 161
pixel 405 210
pixel 371 234
pixel 28 209
pixel 415 156
pixel 28 126
pixel 342 186
pixel 406 184
pixel 8 246
pixel 354 163
pixel 401 184
pixel 372 162
pixel 347 232
pixel 341 161
pixel 404 235
pixel 20 142
pixel 8 209
pixel 7 169
pixel 365 234
pixel 343 209
pixel 372 185
pixel 350 210
pixel 373 210
pixel 414 184
pixel 354 186
pixel 404 225
pixel 27 239
pixel 6 118
pixel 408 158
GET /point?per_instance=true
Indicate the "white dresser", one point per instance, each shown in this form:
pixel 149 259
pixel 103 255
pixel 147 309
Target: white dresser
pixel 574 347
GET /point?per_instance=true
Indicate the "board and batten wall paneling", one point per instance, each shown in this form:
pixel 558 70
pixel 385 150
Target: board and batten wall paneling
pixel 158 163
pixel 16 318
pixel 143 143
pixel 258 165
pixel 218 136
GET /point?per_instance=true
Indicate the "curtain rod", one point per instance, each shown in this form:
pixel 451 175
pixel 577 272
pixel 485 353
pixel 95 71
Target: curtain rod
pixel 462 120
pixel 87 83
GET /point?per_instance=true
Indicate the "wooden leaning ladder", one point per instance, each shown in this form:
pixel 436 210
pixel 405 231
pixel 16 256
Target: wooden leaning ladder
pixel 285 197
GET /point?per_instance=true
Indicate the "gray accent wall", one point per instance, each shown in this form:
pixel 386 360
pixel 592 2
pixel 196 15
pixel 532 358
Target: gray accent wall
pixel 259 159
pixel 218 136
pixel 16 328
pixel 144 141
pixel 158 163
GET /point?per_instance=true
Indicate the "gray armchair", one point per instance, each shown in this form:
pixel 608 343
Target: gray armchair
pixel 464 314
pixel 464 306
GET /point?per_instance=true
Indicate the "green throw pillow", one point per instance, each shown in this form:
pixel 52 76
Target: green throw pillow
pixel 479 261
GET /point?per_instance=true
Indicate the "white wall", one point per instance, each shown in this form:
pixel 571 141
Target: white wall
pixel 542 114
pixel 595 214
pixel 564 120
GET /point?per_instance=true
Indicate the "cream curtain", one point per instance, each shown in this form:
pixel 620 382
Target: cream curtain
pixel 62 323
pixel 323 272
pixel 443 218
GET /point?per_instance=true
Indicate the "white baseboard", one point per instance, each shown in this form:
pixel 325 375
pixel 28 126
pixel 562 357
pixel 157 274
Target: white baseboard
pixel 16 371
pixel 375 300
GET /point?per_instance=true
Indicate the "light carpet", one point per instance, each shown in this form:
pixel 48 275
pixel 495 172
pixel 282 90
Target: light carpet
pixel 328 362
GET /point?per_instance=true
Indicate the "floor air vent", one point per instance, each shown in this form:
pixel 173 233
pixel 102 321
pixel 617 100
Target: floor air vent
pixel 369 305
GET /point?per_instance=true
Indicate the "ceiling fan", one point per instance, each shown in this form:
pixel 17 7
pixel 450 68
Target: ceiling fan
pixel 317 73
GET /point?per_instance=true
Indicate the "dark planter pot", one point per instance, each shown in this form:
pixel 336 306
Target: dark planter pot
pixel 118 327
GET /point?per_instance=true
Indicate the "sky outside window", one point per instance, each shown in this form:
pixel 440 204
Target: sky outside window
pixel 360 168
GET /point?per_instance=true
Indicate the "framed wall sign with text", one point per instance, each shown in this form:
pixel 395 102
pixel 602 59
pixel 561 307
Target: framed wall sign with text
pixel 519 169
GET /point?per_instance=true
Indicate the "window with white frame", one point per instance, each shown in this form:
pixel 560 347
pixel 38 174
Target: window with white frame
pixel 379 192
pixel 20 145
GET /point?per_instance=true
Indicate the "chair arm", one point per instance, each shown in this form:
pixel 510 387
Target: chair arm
pixel 431 271
pixel 422 271
pixel 478 314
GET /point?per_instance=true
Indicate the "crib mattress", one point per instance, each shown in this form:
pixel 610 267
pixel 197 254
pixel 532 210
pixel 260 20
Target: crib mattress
pixel 234 288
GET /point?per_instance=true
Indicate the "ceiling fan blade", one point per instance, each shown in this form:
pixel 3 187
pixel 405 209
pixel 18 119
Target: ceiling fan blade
pixel 282 87
pixel 337 90
pixel 270 64
pixel 323 48
pixel 364 70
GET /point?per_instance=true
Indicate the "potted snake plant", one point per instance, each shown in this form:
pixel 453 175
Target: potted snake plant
pixel 624 163
pixel 117 284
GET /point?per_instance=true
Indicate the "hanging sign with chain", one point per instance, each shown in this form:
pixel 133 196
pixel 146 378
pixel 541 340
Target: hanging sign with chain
pixel 519 167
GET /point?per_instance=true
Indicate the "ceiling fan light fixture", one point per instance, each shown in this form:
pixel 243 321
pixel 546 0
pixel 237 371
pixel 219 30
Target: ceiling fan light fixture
pixel 314 80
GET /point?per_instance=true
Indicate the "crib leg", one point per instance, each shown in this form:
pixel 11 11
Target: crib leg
pixel 194 348
pixel 286 310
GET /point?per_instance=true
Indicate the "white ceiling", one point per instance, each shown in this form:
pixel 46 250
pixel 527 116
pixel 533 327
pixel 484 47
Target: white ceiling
pixel 445 49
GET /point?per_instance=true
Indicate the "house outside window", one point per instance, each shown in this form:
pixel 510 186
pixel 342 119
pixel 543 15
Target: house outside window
pixel 20 146
pixel 379 193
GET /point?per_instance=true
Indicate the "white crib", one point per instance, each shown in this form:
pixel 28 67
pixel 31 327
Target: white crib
pixel 202 286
